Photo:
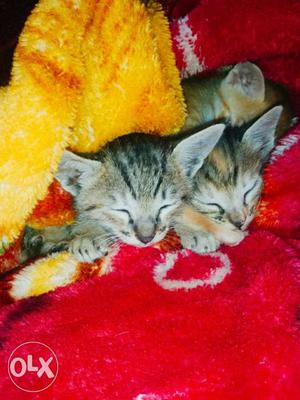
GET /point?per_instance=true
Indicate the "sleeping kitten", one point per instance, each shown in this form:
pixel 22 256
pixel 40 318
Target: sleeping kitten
pixel 149 161
pixel 227 188
pixel 130 191
pixel 237 96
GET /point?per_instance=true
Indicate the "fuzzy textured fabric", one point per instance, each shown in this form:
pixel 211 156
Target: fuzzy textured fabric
pixel 167 324
pixel 210 33
pixel 151 330
pixel 83 74
pixel 60 269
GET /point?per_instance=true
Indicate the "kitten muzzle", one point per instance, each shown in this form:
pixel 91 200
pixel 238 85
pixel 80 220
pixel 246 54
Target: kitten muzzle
pixel 145 231
pixel 237 219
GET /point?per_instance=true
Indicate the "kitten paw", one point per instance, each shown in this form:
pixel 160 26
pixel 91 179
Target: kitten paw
pixel 233 237
pixel 32 243
pixel 36 243
pixel 200 242
pixel 87 249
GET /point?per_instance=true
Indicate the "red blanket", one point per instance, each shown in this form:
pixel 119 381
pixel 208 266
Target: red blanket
pixel 180 325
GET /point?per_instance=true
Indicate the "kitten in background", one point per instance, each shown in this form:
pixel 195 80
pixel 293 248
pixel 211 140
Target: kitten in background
pixel 130 191
pixel 236 96
pixel 226 189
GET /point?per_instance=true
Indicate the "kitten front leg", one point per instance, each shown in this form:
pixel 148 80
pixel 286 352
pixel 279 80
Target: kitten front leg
pixel 230 236
pixel 40 242
pixel 198 241
pixel 193 221
pixel 90 240
pixel 85 245
pixel 89 248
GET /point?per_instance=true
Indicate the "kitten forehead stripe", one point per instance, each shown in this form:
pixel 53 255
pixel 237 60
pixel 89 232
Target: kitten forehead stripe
pixel 126 178
pixel 159 182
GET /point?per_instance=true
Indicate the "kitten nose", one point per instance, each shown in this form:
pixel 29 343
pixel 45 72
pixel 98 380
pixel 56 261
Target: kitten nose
pixel 238 224
pixel 237 219
pixel 145 239
pixel 145 231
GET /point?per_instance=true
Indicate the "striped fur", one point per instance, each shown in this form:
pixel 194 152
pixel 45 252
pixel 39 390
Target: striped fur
pixel 127 192
pixel 130 191
pixel 227 188
pixel 233 171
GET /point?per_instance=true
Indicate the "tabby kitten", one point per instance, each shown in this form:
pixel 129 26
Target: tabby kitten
pixel 237 96
pixel 227 187
pixel 130 191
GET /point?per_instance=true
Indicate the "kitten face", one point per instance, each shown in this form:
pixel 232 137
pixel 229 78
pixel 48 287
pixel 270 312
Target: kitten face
pixel 229 200
pixel 138 218
pixel 135 188
pixel 228 186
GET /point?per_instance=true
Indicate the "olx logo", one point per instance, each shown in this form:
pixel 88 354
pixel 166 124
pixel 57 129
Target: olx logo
pixel 33 366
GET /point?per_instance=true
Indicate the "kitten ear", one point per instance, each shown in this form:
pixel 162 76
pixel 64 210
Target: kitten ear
pixel 248 79
pixel 190 153
pixel 73 171
pixel 260 137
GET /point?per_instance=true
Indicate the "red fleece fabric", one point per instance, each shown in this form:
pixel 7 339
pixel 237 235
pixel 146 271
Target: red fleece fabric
pixel 124 336
pixel 224 32
pixel 146 333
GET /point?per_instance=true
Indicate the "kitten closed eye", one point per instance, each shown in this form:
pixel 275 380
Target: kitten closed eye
pixel 165 208
pixel 124 211
pixel 215 206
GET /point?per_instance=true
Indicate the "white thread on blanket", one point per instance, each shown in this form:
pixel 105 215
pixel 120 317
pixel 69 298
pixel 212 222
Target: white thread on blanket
pixel 186 42
pixel 215 276
pixel 153 396
pixel 285 144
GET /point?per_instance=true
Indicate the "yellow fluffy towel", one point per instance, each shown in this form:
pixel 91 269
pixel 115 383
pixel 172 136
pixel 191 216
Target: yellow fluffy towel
pixel 84 72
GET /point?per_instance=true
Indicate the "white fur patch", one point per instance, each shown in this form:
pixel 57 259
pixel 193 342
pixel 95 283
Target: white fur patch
pixel 186 42
pixel 216 275
pixel 285 144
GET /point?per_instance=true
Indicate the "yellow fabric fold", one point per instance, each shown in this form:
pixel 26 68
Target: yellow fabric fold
pixel 84 72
